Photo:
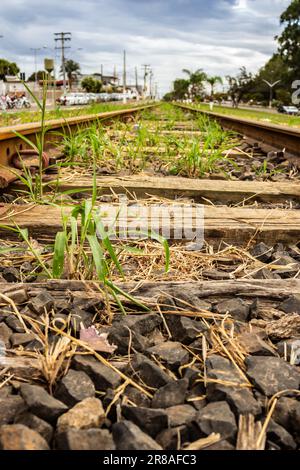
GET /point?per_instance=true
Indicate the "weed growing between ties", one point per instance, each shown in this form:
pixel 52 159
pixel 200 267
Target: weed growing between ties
pixel 83 250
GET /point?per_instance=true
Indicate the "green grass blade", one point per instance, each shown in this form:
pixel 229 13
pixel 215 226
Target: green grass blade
pixel 59 254
pixel 98 257
pixel 107 244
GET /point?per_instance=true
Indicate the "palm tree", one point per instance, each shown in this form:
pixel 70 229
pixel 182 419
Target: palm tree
pixel 72 68
pixel 196 80
pixel 213 81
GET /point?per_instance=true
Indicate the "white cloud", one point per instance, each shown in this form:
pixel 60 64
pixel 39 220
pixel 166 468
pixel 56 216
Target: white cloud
pixel 216 35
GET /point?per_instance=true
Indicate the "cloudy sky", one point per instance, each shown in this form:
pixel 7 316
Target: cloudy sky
pixel 216 35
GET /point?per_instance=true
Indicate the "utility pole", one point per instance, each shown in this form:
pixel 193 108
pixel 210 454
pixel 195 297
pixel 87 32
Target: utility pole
pixel 271 86
pixel 156 91
pixel 150 83
pixel 137 84
pixel 124 77
pixel 102 72
pixel 35 51
pixel 63 38
pixel 146 69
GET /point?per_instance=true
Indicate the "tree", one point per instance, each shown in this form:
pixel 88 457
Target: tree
pixel 40 76
pixel 72 68
pixel 213 82
pixel 181 88
pixel 8 68
pixel 196 82
pixel 289 40
pixel 274 70
pixel 240 86
pixel 91 85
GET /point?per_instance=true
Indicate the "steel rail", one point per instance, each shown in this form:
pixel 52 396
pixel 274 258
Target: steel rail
pixel 272 136
pixel 11 143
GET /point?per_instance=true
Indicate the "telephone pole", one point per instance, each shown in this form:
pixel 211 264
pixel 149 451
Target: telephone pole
pixel 124 76
pixel 146 70
pixel 63 38
pixel 35 51
pixel 150 84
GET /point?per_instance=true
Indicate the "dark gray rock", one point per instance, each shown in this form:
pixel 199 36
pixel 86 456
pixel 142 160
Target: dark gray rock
pixel 173 438
pixel 19 437
pixel 141 324
pixel 170 353
pixel 196 396
pixel 128 436
pixel 11 274
pixel 42 303
pixel 150 420
pixel 237 308
pixel 289 265
pixel 171 394
pixel 255 345
pixel 291 304
pixel 262 252
pixel 37 424
pixel 10 407
pixel 217 417
pixel 271 445
pixel 280 436
pixel 240 400
pixel 295 422
pixel 284 411
pixel 19 296
pixel 102 376
pixel 271 374
pixel 5 335
pixel 184 329
pixel 14 323
pixel 35 345
pixel 221 445
pixel 191 374
pixel 121 337
pixel 265 274
pixel 88 439
pixel 41 403
pixel 180 414
pixel 137 397
pixel 5 391
pixel 5 312
pixel 150 373
pixel 74 387
pixel 21 339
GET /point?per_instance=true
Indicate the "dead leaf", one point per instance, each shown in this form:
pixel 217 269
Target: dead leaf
pixel 96 341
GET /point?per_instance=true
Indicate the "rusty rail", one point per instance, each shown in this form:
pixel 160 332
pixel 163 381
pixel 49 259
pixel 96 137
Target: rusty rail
pixel 271 136
pixel 10 143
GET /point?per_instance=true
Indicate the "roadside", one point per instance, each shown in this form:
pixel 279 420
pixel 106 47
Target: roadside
pixel 255 114
pixel 13 117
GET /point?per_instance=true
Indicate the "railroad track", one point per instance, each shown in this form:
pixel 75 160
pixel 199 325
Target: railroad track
pixel 180 333
pixel 271 136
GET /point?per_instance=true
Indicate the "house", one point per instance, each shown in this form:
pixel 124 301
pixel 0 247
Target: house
pixel 111 80
pixel 11 84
